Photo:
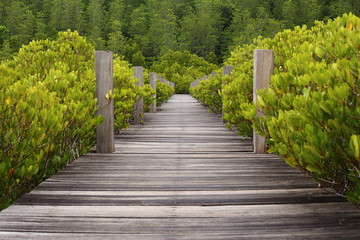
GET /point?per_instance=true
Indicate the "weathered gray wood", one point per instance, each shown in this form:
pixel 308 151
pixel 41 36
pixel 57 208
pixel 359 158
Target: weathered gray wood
pixel 153 85
pixel 163 80
pixel 172 85
pixel 263 69
pixel 226 71
pixel 196 82
pixel 104 84
pixel 185 189
pixel 139 105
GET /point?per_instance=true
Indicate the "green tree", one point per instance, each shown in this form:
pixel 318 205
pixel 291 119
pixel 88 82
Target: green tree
pixel 245 28
pixel 182 68
pixel 4 34
pixel 200 30
pixel 95 16
pixel 138 59
pixel 289 13
pixel 139 28
pixel 339 7
pixel 5 50
pixel 67 14
pixel 117 41
pixel 309 11
pixel 20 22
pixel 117 16
pixel 163 27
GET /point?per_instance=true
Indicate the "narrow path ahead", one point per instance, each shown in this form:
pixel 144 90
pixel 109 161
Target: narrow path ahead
pixel 182 175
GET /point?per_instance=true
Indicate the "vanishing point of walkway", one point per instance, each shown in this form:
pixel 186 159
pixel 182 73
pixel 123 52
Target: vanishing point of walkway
pixel 182 175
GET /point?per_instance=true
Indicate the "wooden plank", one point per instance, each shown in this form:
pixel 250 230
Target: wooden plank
pixel 176 179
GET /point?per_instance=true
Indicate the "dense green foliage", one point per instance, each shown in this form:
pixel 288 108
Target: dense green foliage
pixel 163 92
pixel 47 111
pixel 312 105
pixel 144 30
pixel 208 92
pixel 182 68
pixel 125 93
pixel 48 106
pixel 47 103
pixel 230 92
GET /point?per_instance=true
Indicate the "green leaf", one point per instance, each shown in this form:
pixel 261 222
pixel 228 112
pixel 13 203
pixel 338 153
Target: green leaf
pixel 355 146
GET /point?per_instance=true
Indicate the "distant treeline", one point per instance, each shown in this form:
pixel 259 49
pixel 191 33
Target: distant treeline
pixel 144 30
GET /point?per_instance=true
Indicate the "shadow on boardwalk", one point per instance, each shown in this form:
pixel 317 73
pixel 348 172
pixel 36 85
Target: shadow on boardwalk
pixel 182 175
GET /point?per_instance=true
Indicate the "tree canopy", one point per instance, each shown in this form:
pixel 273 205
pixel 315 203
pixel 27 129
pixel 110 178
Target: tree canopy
pixel 144 30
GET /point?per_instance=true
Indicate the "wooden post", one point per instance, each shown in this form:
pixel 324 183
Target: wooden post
pixel 263 69
pixel 105 142
pixel 153 85
pixel 226 71
pixel 139 105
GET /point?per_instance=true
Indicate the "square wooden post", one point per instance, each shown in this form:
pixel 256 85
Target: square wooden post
pixel 153 85
pixel 226 71
pixel 105 142
pixel 139 105
pixel 263 69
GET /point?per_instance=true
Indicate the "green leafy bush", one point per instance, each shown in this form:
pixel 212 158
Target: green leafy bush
pixel 312 107
pixel 163 92
pixel 47 111
pixel 147 94
pixel 127 93
pixel 208 92
pixel 237 91
pixel 182 68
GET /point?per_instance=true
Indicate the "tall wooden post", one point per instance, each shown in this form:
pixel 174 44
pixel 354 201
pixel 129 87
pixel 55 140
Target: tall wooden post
pixel 153 85
pixel 139 105
pixel 263 69
pixel 226 71
pixel 105 142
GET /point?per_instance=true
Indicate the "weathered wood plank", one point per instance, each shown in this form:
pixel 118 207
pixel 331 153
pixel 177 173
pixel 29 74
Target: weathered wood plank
pixel 182 175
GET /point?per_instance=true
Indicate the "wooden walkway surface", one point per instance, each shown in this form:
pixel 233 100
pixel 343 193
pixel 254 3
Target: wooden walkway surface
pixel 182 175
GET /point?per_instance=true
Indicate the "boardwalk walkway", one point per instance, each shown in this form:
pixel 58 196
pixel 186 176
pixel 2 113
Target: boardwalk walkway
pixel 182 175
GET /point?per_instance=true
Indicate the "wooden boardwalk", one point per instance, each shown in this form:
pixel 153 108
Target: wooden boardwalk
pixel 182 175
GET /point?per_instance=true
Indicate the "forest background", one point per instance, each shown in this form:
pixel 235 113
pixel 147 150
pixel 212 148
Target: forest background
pixel 144 30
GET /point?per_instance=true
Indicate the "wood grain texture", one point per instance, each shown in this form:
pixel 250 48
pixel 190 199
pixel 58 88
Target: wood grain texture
pixel 182 175
pixel 226 71
pixel 263 69
pixel 153 86
pixel 104 83
pixel 139 104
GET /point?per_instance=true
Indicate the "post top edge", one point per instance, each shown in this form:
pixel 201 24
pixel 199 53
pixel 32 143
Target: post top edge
pixel 103 52
pixel 263 50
